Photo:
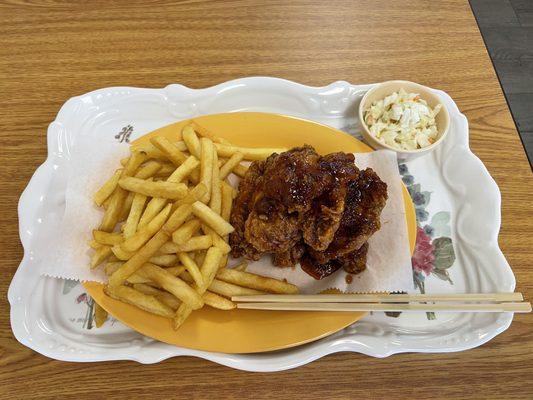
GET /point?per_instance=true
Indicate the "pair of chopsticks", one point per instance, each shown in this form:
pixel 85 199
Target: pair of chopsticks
pixel 475 302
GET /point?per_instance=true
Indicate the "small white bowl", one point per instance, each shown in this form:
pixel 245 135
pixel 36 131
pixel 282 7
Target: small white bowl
pixel 382 90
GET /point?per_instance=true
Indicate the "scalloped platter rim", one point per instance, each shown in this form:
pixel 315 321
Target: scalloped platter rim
pixel 51 316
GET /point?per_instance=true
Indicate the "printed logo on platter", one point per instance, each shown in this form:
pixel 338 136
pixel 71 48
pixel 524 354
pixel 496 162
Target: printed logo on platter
pixel 124 134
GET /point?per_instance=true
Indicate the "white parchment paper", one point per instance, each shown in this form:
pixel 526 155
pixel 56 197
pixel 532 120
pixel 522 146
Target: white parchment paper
pixel 92 163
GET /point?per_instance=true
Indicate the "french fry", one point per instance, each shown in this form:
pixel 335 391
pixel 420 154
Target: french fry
pixel 100 315
pixel 209 269
pixel 224 261
pixel 100 255
pixel 107 188
pixel 106 202
pixel 199 256
pixel 156 204
pixel 212 219
pixel 167 190
pixel 173 285
pixel 148 169
pixel 257 282
pixel 148 289
pixel 153 152
pixel 206 166
pixel 111 267
pixel 194 194
pixel 140 237
pixel 176 271
pixel 135 160
pixel 249 153
pixel 152 246
pixel 191 140
pixel 154 207
pixel 169 149
pixel 138 299
pixel 126 207
pixel 195 243
pixel 93 244
pixel 164 297
pixel 177 218
pixel 116 204
pixel 165 170
pixel 122 254
pixel 107 238
pixel 210 299
pixel 124 161
pixel 227 201
pixel 186 231
pixel 138 259
pixel 217 240
pixel 150 150
pixel 138 278
pixel 181 146
pixel 113 210
pixel 137 206
pixel 224 288
pixel 184 170
pixel 215 200
pixel 204 132
pixel 216 301
pixel 166 260
pixel 240 170
pixel 228 167
pixel 192 268
pixel 169 248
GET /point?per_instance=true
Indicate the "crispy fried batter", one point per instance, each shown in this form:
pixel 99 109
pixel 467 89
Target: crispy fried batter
pixel 298 204
pixel 241 210
pixel 320 223
pixel 365 200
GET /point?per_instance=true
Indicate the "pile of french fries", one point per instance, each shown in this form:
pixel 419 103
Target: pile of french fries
pixel 163 238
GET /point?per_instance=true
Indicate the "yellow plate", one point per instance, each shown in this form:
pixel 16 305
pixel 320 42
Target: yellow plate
pixel 249 331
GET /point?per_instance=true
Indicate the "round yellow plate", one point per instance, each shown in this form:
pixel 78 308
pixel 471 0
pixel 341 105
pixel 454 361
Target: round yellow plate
pixel 249 331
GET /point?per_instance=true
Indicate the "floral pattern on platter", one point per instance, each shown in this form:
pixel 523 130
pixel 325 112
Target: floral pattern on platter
pixel 124 134
pixel 87 320
pixel 434 254
pixel 77 293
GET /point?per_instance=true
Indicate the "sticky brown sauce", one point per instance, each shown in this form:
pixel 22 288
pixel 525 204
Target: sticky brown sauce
pixel 319 271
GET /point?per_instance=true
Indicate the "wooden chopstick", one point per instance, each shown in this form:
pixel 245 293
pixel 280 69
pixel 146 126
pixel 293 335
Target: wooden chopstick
pixel 473 307
pixel 467 302
pixel 379 298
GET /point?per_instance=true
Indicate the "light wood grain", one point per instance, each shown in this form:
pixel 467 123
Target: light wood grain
pixel 380 298
pixel 417 308
pixel 53 50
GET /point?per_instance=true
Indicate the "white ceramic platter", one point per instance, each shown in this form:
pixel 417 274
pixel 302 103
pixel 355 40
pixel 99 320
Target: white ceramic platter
pixel 457 202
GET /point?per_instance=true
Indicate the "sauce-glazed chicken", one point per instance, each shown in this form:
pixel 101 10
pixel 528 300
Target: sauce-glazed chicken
pixel 310 209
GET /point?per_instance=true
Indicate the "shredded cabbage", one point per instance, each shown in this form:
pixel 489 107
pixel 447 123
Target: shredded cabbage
pixel 403 120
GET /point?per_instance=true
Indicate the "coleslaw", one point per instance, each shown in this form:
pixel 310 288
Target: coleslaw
pixel 403 120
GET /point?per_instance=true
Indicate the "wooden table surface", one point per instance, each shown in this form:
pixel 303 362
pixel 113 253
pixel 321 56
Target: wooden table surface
pixel 51 51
